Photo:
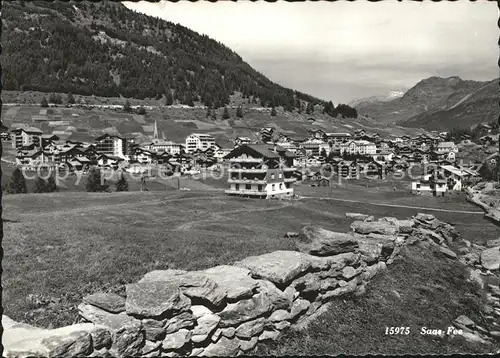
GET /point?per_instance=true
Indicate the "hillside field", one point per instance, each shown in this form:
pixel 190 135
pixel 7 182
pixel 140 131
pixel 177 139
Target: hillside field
pixel 66 245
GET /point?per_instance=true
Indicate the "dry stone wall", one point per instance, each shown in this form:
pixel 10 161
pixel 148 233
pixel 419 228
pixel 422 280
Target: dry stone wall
pixel 227 310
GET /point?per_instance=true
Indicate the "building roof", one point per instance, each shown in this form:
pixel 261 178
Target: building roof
pixel 338 134
pixel 265 150
pixel 454 170
pixel 446 144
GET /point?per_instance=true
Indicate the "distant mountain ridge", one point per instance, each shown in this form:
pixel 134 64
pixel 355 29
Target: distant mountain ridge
pixel 438 103
pixel 380 98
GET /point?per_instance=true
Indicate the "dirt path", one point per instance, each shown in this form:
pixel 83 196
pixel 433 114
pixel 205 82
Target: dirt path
pixel 393 205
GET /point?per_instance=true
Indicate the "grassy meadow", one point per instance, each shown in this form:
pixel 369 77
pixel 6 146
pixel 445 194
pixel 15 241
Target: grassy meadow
pixel 69 244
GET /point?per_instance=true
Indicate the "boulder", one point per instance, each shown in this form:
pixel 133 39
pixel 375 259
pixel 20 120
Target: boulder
pixel 154 329
pixel 424 217
pixel 310 282
pixel 493 243
pixel 348 287
pixel 215 336
pixel 357 216
pixel 299 306
pixel 228 332
pixel 128 340
pixel 182 320
pixel 279 315
pixel 176 340
pixel 224 347
pixel 447 252
pixel 370 218
pixel 328 284
pixel 403 226
pixel 245 310
pixel 374 227
pixel 193 284
pixel 236 281
pixel 464 321
pixel 349 272
pixel 490 258
pixel 69 341
pixel 246 346
pixel 291 235
pixel 277 298
pixel 155 298
pixel 205 326
pixel 426 234
pixel 199 311
pixel 150 347
pixel 107 301
pixel 113 321
pixel 281 325
pixel 279 267
pixel 370 271
pixel 251 328
pixel 269 335
pixel 320 242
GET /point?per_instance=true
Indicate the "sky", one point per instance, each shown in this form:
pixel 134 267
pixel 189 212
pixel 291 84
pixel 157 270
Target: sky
pixel 341 51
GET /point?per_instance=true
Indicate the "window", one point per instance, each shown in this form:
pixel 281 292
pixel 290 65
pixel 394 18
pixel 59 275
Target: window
pixel 418 186
pixel 259 188
pixel 272 187
pixel 248 186
pixel 272 176
pixel 280 175
pixel 237 186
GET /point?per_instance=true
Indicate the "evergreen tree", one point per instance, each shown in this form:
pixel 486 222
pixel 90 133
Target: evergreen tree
pixel 141 110
pixel 208 113
pixel 239 112
pixel 226 115
pixel 127 107
pixel 93 183
pixel 70 99
pixel 273 112
pixel 40 185
pixel 214 115
pixel 44 102
pixel 122 184
pixel 51 185
pixel 17 183
pixel 169 99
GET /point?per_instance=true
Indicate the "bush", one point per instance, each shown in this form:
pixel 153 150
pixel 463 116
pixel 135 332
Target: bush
pixel 40 185
pixel 94 181
pixel 44 103
pixel 122 184
pixel 51 185
pixel 17 183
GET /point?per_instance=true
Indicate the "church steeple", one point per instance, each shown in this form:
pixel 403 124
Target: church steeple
pixel 155 134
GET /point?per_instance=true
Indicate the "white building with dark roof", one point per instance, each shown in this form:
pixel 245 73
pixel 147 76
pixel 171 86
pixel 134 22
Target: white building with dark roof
pixel 199 141
pixel 261 171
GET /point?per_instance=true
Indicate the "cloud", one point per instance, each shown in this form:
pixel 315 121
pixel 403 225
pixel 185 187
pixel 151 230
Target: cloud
pixel 317 46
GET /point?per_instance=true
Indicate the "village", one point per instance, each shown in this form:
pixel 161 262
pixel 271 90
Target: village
pixel 270 166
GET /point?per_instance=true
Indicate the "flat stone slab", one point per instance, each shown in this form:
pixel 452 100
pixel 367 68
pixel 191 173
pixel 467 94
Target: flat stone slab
pixel 113 321
pixel 320 242
pixel 278 267
pixel 193 284
pixel 490 258
pixel 357 216
pixel 25 340
pixel 154 299
pixel 374 227
pixel 245 310
pixel 235 281
pixel 110 302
